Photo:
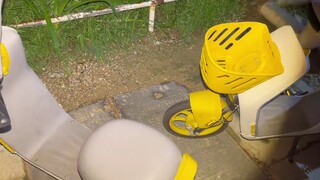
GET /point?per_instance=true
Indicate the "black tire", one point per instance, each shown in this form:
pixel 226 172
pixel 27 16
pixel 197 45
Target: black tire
pixel 184 105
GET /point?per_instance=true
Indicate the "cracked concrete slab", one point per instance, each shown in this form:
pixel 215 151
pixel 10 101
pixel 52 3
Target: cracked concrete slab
pixel 218 157
pixel 94 115
pixel 148 104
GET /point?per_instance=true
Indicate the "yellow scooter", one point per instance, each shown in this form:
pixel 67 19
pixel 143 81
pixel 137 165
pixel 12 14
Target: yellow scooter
pixel 246 70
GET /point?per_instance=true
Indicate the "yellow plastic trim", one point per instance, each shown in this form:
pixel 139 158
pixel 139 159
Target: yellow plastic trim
pixel 5 145
pixel 206 107
pixel 187 169
pixel 253 129
pixel 5 59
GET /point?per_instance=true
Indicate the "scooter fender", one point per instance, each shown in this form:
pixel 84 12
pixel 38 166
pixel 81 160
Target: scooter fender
pixel 206 107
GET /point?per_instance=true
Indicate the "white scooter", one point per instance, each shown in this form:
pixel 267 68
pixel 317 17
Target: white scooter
pixel 45 136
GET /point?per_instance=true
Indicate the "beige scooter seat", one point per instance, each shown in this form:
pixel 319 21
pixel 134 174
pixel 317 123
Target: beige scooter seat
pixel 124 149
pixel 44 135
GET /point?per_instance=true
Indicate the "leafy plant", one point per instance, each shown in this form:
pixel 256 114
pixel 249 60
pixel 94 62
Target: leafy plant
pixel 57 8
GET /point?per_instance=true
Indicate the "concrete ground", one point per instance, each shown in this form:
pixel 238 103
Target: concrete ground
pixel 224 156
pixel 11 166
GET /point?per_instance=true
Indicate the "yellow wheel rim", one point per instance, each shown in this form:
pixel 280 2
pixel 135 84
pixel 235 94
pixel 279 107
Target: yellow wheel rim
pixel 178 123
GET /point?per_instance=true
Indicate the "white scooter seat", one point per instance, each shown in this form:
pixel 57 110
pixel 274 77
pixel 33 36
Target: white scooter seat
pixel 124 149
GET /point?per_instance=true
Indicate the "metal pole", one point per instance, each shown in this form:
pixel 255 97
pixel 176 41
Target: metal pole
pixel 81 15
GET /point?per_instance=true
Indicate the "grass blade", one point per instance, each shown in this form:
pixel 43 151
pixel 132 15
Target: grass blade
pixel 35 9
pixel 61 7
pixel 79 4
pixel 51 28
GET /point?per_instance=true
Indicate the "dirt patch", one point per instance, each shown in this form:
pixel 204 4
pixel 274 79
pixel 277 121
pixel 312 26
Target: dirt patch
pixel 150 61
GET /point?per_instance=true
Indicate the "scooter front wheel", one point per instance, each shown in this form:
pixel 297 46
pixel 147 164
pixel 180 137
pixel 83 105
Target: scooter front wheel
pixel 175 118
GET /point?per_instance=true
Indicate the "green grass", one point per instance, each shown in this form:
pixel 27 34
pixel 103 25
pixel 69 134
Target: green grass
pixel 98 36
pixel 192 16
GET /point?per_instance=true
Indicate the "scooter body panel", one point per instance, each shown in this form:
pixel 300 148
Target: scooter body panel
pixel 295 66
pixel 41 131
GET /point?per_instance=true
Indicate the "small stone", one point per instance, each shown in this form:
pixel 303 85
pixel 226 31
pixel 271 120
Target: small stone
pixel 56 75
pixel 158 95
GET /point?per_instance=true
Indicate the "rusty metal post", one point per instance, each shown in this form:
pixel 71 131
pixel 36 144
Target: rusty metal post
pixel 152 14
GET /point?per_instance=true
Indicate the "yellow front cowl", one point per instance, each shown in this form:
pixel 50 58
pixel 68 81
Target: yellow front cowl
pixel 206 107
